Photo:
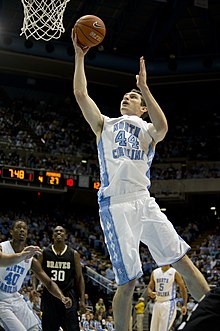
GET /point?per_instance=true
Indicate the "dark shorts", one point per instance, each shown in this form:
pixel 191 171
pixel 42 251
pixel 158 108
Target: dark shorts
pixel 55 315
pixel 206 315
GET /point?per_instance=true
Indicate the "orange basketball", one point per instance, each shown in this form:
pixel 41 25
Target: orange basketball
pixel 90 30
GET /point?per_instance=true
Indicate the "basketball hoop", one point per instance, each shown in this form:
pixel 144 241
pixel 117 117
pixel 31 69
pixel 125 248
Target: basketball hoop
pixel 43 19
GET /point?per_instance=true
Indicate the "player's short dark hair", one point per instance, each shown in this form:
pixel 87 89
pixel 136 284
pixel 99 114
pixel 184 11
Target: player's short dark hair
pixel 143 103
pixel 60 226
pixel 16 221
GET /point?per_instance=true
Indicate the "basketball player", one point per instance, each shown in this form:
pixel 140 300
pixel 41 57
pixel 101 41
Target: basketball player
pixel 62 264
pixel 14 311
pixel 162 287
pixel 128 215
pixel 11 259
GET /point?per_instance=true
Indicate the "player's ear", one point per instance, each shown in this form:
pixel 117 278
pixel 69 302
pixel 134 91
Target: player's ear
pixel 144 109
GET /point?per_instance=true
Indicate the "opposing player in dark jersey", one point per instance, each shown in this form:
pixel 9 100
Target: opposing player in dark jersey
pixel 62 264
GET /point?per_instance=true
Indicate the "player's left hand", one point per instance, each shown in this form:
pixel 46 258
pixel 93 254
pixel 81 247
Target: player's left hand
pixel 141 78
pixel 67 302
pixel 79 50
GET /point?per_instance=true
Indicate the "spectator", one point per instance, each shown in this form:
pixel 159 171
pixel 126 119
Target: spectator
pixel 139 307
pixel 100 307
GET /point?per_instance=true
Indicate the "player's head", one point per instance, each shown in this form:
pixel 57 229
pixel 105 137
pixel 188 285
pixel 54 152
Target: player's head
pixel 19 231
pixel 59 234
pixel 133 104
pixel 166 267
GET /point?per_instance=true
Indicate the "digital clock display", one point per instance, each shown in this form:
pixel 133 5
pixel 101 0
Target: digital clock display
pixel 20 174
pixel 43 179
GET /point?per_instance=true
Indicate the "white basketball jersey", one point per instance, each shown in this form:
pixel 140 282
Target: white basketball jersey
pixel 165 285
pixel 11 278
pixel 125 155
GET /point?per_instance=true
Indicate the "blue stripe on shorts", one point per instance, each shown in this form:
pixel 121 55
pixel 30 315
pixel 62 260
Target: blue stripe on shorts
pixel 112 242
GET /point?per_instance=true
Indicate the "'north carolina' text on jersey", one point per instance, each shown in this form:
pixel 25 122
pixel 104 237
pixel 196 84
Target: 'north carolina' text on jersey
pixel 125 155
pixel 165 285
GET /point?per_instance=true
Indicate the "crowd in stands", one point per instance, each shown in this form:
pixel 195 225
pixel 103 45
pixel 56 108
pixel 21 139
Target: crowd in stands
pixel 41 135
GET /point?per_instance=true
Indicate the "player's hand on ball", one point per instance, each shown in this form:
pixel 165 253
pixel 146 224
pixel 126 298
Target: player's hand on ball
pixel 67 302
pixel 78 48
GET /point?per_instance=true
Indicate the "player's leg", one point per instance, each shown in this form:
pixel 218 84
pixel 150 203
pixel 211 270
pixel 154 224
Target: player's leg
pixel 167 247
pixel 155 319
pixel 52 313
pixel 70 320
pixel 120 221
pixel 122 305
pixel 25 314
pixel 167 315
pixel 193 278
pixel 8 319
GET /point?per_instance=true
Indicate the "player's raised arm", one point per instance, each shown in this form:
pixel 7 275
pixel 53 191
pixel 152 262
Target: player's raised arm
pixel 88 107
pixel 159 127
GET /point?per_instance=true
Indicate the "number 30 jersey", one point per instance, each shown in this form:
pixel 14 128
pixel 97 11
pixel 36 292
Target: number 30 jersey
pixel 125 152
pixel 60 268
pixel 11 278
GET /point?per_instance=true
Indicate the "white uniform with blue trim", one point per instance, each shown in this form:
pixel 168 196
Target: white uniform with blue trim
pixel 128 213
pixel 164 311
pixel 15 314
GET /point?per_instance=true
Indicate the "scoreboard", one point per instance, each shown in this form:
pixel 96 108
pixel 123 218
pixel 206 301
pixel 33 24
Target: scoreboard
pixel 45 179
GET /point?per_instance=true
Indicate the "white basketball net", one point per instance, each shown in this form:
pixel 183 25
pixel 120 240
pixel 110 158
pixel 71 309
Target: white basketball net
pixel 43 19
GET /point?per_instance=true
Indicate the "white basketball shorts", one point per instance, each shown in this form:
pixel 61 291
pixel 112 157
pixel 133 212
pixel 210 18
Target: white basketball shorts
pixel 133 218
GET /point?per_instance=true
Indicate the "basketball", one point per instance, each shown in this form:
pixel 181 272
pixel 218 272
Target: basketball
pixel 90 30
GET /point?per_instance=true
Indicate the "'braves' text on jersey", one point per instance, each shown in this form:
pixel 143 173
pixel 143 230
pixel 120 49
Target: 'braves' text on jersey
pixel 60 268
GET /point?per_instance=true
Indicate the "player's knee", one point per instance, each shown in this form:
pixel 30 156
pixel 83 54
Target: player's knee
pixel 184 265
